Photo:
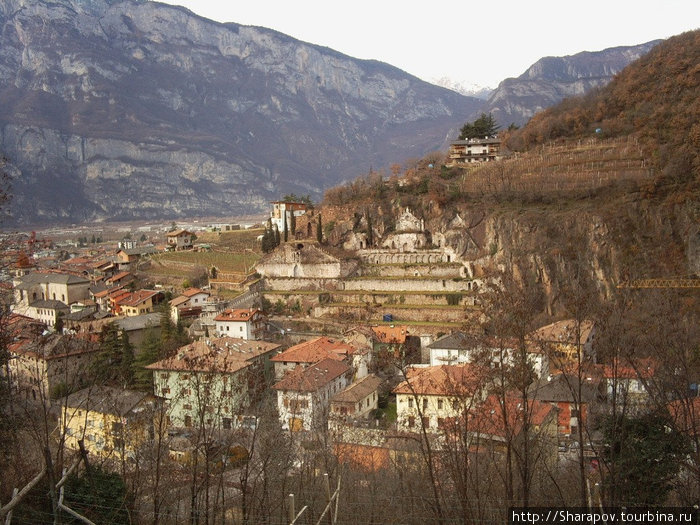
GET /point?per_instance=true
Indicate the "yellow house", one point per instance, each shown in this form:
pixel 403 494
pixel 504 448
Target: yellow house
pixel 435 397
pixel 564 344
pixel 112 423
pixel 137 303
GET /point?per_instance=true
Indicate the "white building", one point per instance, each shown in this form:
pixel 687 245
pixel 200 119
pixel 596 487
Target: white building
pixel 304 394
pixel 246 323
pixel 213 382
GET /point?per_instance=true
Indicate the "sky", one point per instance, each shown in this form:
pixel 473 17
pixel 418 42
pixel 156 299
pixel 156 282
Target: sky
pixel 473 43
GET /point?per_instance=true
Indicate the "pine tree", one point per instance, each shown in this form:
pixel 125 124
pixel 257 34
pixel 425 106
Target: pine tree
pixel 484 126
pixel 319 230
pixel 277 236
pixel 286 230
pixel 126 364
pixel 370 230
pixel 150 352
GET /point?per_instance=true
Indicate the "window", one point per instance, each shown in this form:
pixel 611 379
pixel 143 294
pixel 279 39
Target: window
pixel 411 421
pixel 188 421
pixel 187 406
pixel 425 403
pixel 227 423
pixel 410 402
pixel 439 404
pixel 166 390
pixel 240 328
pixel 426 421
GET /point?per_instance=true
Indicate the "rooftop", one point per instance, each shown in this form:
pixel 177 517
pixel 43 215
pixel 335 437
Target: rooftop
pixel 449 380
pixel 106 400
pixel 241 314
pixel 315 350
pixel 223 354
pixel 359 390
pixel 312 378
pixel 391 334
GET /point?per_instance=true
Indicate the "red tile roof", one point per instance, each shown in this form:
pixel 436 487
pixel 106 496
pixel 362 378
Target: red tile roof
pixel 136 298
pixel 222 354
pixel 313 377
pixel 391 334
pixel 242 314
pixel 449 380
pixel 315 350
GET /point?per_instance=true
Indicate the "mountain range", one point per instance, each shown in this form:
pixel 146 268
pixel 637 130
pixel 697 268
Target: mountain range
pixel 132 109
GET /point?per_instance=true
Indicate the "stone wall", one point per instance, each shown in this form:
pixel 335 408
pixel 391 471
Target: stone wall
pixel 414 285
pixel 442 270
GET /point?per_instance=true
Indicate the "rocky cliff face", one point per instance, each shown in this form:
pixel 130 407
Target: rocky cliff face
pixel 133 109
pixel 552 79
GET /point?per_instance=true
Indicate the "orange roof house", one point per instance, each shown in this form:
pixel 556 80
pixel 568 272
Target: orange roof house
pixel 310 352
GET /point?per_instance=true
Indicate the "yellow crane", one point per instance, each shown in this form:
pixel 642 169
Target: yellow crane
pixel 672 282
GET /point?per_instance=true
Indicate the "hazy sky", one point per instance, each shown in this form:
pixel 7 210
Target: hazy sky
pixel 470 42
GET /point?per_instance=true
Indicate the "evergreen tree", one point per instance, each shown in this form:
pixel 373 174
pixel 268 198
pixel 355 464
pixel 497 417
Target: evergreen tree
pixel 484 126
pixel 277 236
pixel 292 224
pixel 370 229
pixel 150 353
pixel 319 230
pixel 286 230
pixel 126 373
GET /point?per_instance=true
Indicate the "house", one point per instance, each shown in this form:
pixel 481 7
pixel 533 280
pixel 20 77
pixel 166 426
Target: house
pixel 136 303
pixel 246 323
pixel 310 352
pixel 409 234
pixel 573 396
pixel 434 397
pixel 304 394
pixel 461 347
pixel 188 304
pixel 127 259
pixel 45 286
pixel 358 400
pixel 474 150
pixel 499 420
pixel 213 382
pixel 119 279
pixel 626 381
pixel 284 209
pixel 564 343
pixel 48 311
pixel 180 240
pixel 111 422
pixel 43 367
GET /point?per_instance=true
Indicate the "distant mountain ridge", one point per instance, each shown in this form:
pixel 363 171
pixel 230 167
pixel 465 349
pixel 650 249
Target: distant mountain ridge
pixel 551 79
pixel 132 109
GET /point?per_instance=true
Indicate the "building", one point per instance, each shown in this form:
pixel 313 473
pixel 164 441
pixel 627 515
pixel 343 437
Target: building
pixel 188 304
pixel 305 260
pixel 358 400
pixel 626 382
pixel 213 382
pixel 246 323
pixel 573 397
pixel 180 240
pixel 128 259
pixel 136 303
pixel 460 347
pixel 304 394
pixel 434 397
pixel 62 288
pixel 282 209
pixel 46 366
pixel 564 343
pixel 310 352
pixel 474 150
pixel 112 423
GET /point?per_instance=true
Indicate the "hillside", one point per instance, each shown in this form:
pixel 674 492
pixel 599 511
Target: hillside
pixel 552 79
pixel 127 110
pixel 619 203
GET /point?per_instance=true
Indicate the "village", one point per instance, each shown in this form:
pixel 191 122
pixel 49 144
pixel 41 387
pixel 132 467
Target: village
pixel 382 372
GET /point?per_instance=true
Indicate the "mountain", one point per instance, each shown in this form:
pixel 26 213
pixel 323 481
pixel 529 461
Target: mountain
pixel 551 79
pixel 122 109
